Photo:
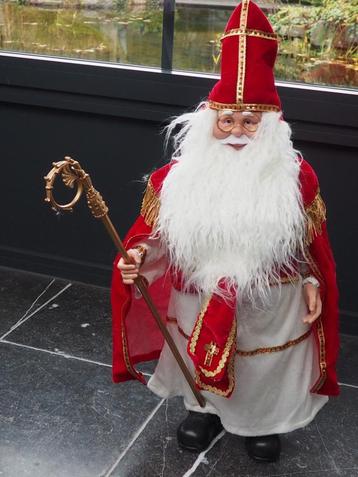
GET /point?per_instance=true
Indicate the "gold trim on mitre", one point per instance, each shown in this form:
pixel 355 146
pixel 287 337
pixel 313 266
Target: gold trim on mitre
pixel 250 32
pixel 150 205
pixel 241 67
pixel 243 106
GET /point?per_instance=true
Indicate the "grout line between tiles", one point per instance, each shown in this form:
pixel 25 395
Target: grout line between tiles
pixel 134 438
pixel 21 320
pixel 62 355
pixel 202 455
pixel 348 385
pixel 326 449
pixel 25 318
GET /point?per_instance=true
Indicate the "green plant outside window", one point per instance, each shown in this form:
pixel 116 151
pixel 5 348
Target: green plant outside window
pixel 318 38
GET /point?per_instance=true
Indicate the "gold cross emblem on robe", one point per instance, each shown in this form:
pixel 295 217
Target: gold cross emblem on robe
pixel 211 351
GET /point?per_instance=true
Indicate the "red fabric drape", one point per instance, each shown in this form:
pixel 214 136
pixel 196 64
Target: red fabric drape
pixel 136 337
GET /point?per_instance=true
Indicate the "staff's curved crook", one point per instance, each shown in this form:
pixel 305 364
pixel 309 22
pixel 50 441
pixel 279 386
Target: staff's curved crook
pixel 72 174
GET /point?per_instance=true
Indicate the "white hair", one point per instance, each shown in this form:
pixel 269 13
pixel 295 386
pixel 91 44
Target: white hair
pixel 232 215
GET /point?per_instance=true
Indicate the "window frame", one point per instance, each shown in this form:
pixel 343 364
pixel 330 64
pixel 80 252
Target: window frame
pixel 319 114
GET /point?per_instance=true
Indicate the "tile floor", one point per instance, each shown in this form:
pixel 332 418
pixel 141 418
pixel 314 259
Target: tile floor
pixel 61 416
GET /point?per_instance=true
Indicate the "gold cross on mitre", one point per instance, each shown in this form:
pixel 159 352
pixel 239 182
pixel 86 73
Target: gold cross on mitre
pixel 211 351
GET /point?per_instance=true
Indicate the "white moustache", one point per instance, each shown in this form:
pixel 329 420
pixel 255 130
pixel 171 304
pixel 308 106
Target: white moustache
pixel 242 140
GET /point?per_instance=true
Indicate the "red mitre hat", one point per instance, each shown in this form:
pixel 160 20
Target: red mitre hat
pixel 249 49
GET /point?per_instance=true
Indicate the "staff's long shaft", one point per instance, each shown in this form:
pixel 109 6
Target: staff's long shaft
pixel 72 173
pixel 144 291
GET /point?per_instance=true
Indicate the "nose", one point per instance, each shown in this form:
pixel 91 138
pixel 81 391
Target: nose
pixel 237 130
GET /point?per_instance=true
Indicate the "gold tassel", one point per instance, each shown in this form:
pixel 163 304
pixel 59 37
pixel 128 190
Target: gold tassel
pixel 316 215
pixel 150 205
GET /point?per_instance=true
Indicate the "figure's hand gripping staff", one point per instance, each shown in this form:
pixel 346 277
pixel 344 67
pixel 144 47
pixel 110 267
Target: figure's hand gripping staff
pixel 72 174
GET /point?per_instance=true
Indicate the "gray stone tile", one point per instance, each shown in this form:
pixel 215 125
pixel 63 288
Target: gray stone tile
pixel 78 323
pixel 348 472
pixel 338 429
pixel 18 291
pixel 303 454
pixel 348 360
pixel 156 452
pixel 327 447
pixel 63 417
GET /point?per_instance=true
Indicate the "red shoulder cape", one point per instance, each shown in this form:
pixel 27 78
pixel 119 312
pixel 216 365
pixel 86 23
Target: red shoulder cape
pixel 136 337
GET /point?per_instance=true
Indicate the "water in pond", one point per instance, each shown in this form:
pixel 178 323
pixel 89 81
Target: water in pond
pixel 132 35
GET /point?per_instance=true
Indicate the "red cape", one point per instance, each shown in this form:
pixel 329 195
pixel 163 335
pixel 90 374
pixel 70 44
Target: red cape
pixel 136 337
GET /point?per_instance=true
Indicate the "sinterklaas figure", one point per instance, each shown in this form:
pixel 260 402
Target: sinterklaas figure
pixel 232 241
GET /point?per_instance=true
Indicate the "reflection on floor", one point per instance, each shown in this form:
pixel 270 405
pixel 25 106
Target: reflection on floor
pixel 61 416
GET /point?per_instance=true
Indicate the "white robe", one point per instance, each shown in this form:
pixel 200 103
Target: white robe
pixel 272 390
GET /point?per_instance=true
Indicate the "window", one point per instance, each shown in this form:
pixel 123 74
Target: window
pixel 319 38
pixel 116 31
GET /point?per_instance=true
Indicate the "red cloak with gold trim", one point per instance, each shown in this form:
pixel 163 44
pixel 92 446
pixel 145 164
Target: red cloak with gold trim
pixel 136 337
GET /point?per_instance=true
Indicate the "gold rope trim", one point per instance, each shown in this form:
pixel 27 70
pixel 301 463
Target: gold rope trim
pixel 150 205
pixel 275 349
pixel 272 349
pixel 198 325
pixel 250 32
pixel 214 389
pixel 316 215
pixel 243 106
pixel 241 67
pixel 225 355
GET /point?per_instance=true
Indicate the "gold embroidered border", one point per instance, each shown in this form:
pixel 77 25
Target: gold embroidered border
pixel 275 349
pixel 241 68
pixel 225 355
pixel 198 325
pixel 316 215
pixel 243 106
pixel 322 357
pixel 150 205
pixel 128 364
pixel 320 332
pixel 214 389
pixel 250 32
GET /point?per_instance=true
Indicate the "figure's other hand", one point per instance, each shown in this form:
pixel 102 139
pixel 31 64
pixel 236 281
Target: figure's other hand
pixel 313 302
pixel 130 271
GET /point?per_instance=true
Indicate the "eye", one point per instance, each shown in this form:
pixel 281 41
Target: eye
pixel 227 121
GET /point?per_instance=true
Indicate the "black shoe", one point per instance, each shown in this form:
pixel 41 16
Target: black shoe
pixel 198 430
pixel 263 448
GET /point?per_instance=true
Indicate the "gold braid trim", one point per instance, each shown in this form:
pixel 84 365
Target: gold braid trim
pixel 214 389
pixel 241 67
pixel 272 349
pixel 322 357
pixel 275 349
pixel 316 215
pixel 243 106
pixel 150 205
pixel 127 361
pixel 198 325
pixel 225 355
pixel 250 32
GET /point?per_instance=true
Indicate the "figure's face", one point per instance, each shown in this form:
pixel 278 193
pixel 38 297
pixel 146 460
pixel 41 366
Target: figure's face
pixel 236 128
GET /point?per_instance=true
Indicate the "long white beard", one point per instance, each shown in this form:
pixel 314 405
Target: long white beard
pixel 228 214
